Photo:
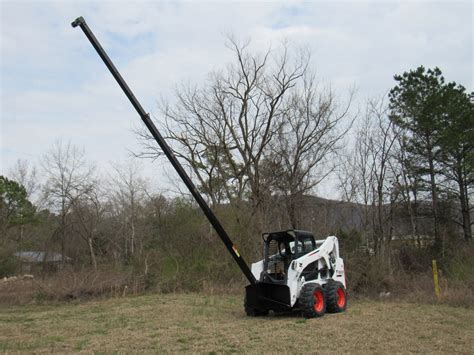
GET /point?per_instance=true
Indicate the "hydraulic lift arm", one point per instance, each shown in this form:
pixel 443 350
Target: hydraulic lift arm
pixel 167 150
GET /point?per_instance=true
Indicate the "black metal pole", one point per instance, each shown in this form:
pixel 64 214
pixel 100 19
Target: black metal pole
pixel 167 150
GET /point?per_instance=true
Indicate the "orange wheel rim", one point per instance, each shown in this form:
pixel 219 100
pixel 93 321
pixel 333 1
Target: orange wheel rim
pixel 341 297
pixel 318 301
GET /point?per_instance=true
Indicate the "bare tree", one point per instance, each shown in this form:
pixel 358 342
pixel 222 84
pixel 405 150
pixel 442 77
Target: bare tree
pixel 368 174
pixel 260 127
pixel 26 176
pixel 306 143
pixel 67 178
pixel 382 144
pixel 128 191
pixel 88 212
pixel 356 174
pixel 223 129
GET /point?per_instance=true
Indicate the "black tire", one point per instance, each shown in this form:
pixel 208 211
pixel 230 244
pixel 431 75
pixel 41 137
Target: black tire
pixel 312 301
pixel 336 297
pixel 253 312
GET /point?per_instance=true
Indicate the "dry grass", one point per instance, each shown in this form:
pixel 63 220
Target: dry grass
pixel 69 285
pixel 202 323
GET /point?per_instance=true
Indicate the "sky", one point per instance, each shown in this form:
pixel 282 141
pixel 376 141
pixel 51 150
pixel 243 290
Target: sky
pixel 53 86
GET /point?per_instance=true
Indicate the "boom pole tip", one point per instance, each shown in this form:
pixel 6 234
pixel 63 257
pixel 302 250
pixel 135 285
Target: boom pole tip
pixel 78 22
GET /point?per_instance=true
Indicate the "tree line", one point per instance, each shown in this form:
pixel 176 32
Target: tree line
pixel 259 137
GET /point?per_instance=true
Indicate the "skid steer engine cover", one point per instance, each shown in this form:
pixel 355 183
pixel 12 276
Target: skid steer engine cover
pixel 267 296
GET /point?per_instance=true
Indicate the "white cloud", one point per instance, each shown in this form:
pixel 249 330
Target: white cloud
pixel 54 85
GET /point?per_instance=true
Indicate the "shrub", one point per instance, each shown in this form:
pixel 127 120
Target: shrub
pixel 8 263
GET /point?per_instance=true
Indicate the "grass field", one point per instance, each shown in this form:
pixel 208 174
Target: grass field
pixel 202 323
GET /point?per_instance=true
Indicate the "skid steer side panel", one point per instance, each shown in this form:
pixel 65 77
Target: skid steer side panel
pixel 267 296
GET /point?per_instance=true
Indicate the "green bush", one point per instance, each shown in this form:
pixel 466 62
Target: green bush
pixel 461 266
pixel 8 263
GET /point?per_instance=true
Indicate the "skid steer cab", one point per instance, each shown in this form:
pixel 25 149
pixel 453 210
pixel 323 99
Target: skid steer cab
pixel 297 273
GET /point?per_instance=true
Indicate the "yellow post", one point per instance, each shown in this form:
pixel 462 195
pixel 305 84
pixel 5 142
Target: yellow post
pixel 435 279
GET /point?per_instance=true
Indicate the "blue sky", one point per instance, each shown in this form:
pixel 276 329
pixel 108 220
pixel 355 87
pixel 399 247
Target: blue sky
pixel 53 86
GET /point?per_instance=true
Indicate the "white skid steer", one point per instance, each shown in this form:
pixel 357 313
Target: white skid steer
pixel 297 273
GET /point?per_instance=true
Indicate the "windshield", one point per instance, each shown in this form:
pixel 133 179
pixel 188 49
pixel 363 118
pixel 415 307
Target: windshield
pixel 302 247
pixel 280 249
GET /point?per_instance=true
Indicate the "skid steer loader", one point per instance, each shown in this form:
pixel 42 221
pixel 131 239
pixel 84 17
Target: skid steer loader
pixel 297 272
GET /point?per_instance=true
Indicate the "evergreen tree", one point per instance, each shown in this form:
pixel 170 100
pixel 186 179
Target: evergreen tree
pixel 15 208
pixel 456 139
pixel 416 107
pixel 437 119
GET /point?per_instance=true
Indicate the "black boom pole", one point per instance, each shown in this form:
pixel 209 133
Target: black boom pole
pixel 166 149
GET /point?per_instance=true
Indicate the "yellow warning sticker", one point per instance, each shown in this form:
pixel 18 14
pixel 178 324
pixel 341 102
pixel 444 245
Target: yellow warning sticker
pixel 234 248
